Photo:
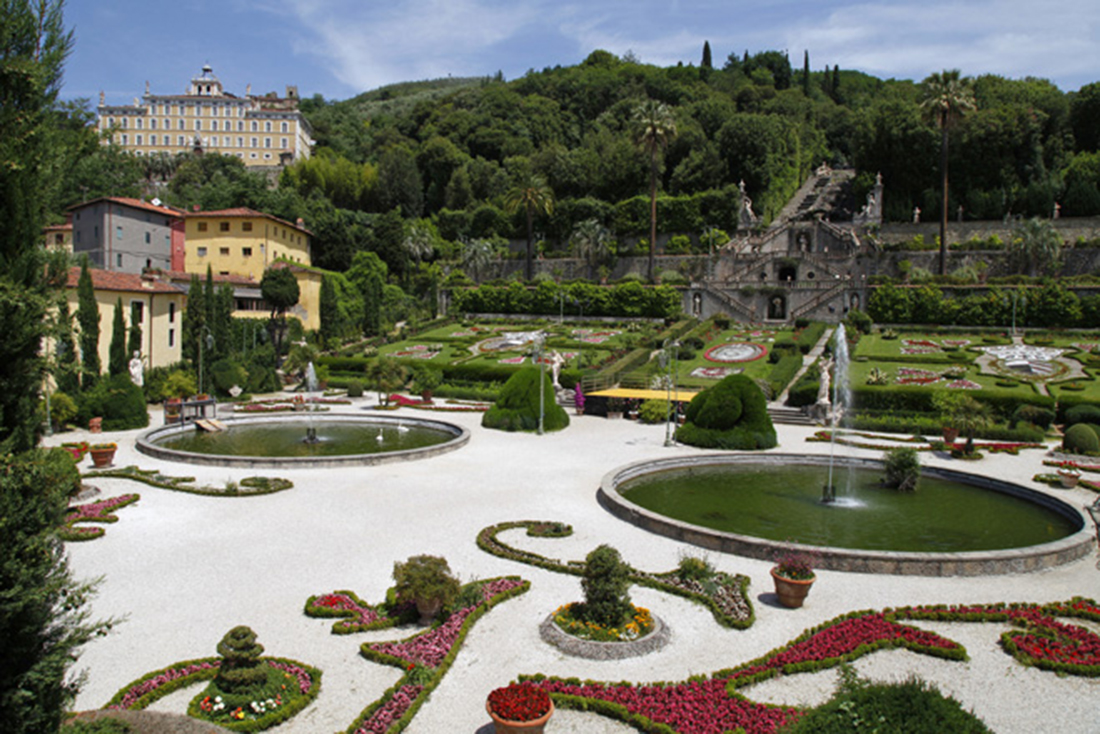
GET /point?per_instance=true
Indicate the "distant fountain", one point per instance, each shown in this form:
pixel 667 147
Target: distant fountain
pixel 311 390
pixel 841 402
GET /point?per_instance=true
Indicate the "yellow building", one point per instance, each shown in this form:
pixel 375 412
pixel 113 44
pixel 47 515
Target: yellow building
pixel 243 243
pixel 156 306
pixel 263 130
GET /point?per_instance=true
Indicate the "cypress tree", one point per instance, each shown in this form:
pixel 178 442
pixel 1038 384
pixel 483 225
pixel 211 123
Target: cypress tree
pixel 707 62
pixel 67 371
pixel 806 73
pixel 194 319
pixel 134 344
pixel 116 355
pixel 836 83
pixel 87 315
pixel 330 311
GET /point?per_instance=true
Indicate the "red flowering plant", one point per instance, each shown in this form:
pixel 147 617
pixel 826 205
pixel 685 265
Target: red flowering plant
pixel 797 565
pixel 519 702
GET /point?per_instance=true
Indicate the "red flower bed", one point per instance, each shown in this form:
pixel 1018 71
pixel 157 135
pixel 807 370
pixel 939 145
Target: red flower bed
pixel 519 702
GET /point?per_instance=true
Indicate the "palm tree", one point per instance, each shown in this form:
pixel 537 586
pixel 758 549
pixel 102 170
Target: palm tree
pixel 476 255
pixel 1036 247
pixel 947 97
pixel 590 242
pixel 653 129
pixel 533 195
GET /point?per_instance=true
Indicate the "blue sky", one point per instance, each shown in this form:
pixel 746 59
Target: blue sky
pixel 339 48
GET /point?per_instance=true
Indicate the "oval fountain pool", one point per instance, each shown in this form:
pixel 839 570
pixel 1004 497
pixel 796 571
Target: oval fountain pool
pixel 756 505
pixel 281 442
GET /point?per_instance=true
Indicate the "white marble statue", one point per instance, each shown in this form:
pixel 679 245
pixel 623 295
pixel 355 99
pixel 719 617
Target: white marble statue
pixel 137 370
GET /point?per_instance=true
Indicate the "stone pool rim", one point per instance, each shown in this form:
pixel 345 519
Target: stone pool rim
pixel 903 563
pixel 459 437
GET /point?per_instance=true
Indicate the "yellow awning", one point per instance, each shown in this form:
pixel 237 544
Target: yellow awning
pixel 679 396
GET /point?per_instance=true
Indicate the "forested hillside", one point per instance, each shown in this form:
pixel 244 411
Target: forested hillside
pixel 414 171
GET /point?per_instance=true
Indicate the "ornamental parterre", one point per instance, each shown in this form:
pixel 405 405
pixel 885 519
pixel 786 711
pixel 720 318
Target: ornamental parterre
pixel 99 512
pixel 713 706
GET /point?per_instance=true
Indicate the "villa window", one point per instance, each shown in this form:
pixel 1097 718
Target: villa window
pixel 202 252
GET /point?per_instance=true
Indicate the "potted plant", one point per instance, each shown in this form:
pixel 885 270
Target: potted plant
pixel 103 454
pixel 793 575
pixel 1069 474
pixel 77 449
pixel 578 398
pixel 519 708
pixel 427 582
pixel 615 407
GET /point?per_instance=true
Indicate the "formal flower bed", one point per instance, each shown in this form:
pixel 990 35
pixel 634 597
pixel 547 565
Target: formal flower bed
pixel 841 438
pixel 300 684
pixel 420 351
pixel 736 352
pixel 101 511
pixel 963 385
pixel 715 373
pixel 714 705
pixel 424 657
pixel 727 597
pixel 566 619
pixel 357 615
pixel 449 406
pixel 249 486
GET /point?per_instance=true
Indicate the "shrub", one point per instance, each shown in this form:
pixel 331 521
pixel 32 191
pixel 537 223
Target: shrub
pixel 782 348
pixel 62 409
pixel 1085 413
pixel 1035 415
pixel 860 321
pixel 605 583
pixel 692 568
pixel 425 580
pixel 355 389
pixel 782 373
pixel 241 667
pixel 178 384
pixel 653 411
pixel 517 409
pixel 1081 439
pixel 226 373
pixel 730 415
pixel 118 401
pixel 912 706
pixel 902 469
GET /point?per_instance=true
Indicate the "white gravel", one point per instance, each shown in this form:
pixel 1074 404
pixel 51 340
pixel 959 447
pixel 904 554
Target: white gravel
pixel 183 569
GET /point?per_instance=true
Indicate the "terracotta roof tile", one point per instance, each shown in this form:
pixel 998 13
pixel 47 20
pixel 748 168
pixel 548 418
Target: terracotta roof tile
pixel 242 211
pixel 105 280
pixel 166 210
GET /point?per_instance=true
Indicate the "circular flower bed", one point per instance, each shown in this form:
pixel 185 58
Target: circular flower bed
pixel 735 352
pixel 642 635
pixel 567 619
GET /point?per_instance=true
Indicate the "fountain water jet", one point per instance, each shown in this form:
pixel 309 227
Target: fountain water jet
pixel 311 390
pixel 842 401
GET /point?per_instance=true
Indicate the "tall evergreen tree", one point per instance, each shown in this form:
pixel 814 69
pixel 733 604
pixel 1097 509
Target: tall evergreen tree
pixel 66 368
pixel 707 63
pixel 87 315
pixel 221 321
pixel 134 343
pixel 329 310
pixel 194 320
pixel 806 73
pixel 116 355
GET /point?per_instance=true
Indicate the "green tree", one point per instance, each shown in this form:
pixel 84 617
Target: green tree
pixel 134 342
pixel 476 256
pixel 1084 115
pixel 386 375
pixel 654 127
pixel 368 275
pixel 116 355
pixel 1036 247
pixel 329 311
pixel 87 315
pixel 67 369
pixel 533 196
pixel 606 582
pixel 590 242
pixel 43 610
pixel 194 320
pixel 946 97
pixel 280 291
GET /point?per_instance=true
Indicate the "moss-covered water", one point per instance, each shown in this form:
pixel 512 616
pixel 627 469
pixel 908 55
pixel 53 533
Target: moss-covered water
pixel 287 439
pixel 784 503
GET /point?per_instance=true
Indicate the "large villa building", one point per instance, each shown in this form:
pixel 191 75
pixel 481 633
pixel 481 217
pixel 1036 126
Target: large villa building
pixel 260 130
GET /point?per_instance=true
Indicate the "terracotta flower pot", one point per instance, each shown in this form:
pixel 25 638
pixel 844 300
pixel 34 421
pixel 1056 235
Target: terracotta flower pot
pixel 791 592
pixel 950 435
pixel 102 457
pixel 504 726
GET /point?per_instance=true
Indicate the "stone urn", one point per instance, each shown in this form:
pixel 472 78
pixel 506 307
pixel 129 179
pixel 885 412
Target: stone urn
pixel 950 435
pixel 1068 478
pixel 791 592
pixel 428 609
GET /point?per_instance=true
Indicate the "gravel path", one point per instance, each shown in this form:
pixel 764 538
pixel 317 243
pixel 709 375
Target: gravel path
pixel 183 569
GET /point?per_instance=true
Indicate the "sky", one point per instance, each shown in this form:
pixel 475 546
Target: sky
pixel 341 48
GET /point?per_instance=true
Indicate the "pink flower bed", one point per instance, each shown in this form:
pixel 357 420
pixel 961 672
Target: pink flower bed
pixel 100 510
pixel 963 385
pixel 513 360
pixel 305 682
pixel 165 676
pixel 393 709
pixel 358 614
pixel 427 648
pixel 707 707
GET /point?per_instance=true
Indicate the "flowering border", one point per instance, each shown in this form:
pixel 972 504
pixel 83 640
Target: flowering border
pixel 256 485
pixel 729 602
pixel 358 615
pixel 101 511
pixel 425 657
pixel 151 687
pixel 1008 447
pixel 761 352
pixel 703 705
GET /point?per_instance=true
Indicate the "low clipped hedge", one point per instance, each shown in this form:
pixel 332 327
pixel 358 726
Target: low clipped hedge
pixel 918 399
pixel 783 372
pixel 809 336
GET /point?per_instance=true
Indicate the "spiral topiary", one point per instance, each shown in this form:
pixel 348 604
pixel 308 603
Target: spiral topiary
pixel 241 666
pixel 605 583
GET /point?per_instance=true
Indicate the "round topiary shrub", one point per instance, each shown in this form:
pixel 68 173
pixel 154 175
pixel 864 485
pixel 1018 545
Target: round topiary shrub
pixel 653 411
pixel 1081 439
pixel 517 408
pixel 241 667
pixel 731 415
pixel 355 389
pixel 1027 413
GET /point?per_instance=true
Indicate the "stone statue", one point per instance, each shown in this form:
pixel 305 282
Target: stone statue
pixel 137 370
pixel 916 215
pixel 822 410
pixel 556 361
